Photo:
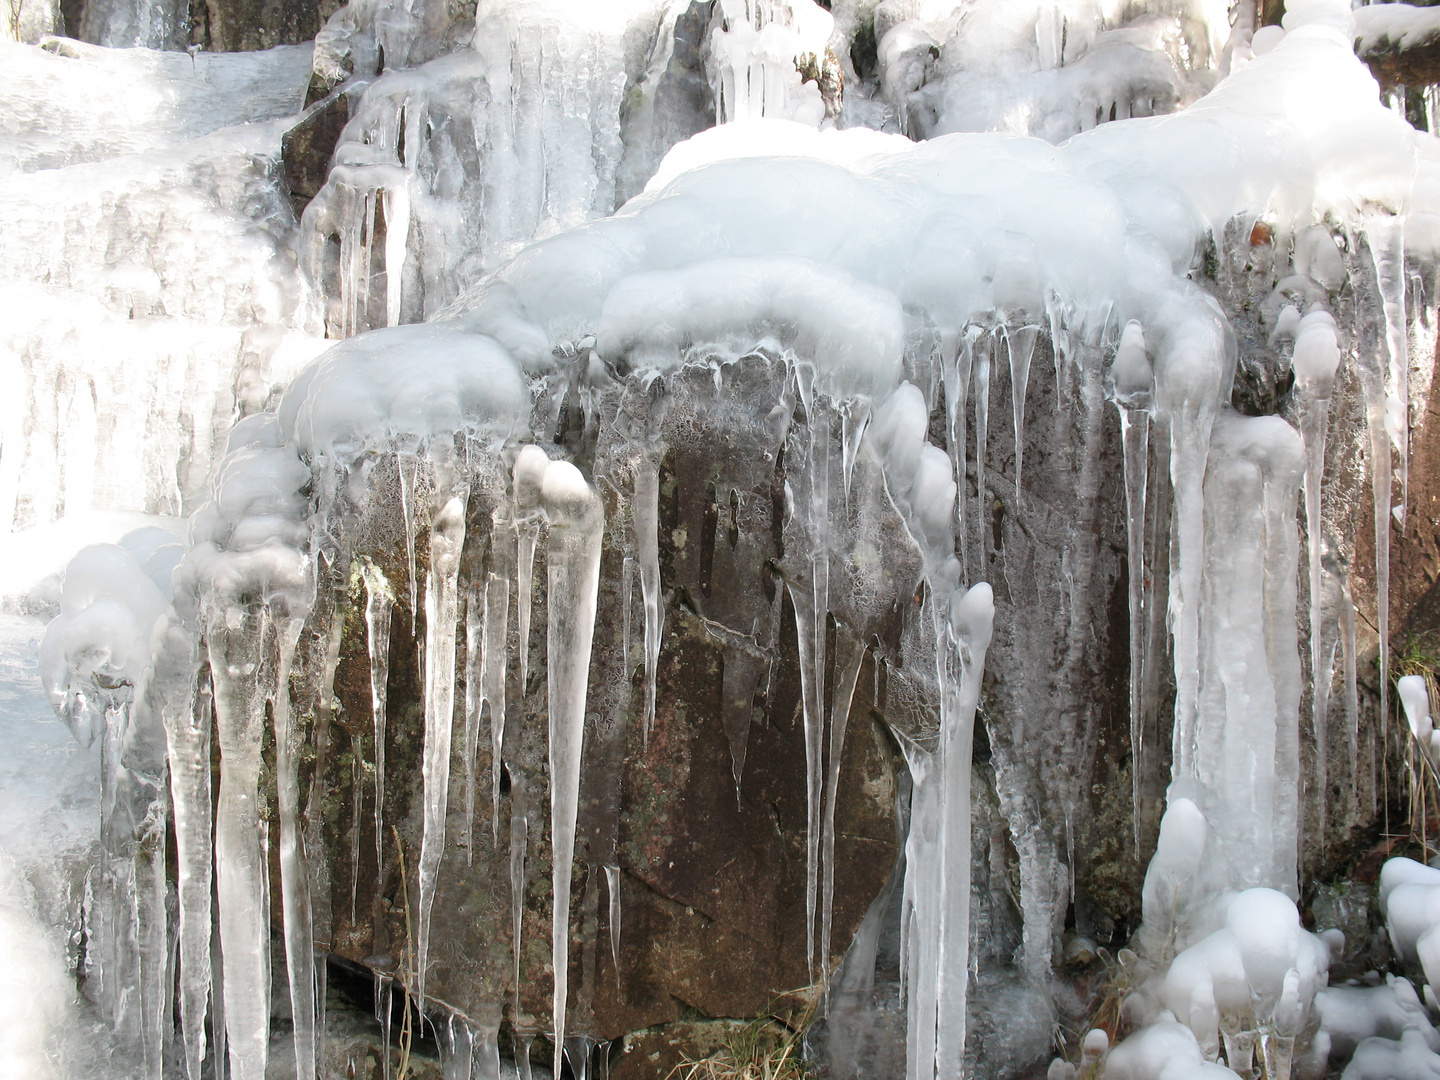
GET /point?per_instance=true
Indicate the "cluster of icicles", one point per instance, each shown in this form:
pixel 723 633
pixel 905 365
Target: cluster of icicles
pixel 246 629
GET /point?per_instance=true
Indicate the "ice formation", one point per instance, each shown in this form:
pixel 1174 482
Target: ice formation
pixel 523 343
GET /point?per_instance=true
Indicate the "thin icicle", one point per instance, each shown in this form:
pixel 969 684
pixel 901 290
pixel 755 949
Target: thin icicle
pixel 497 629
pixel 357 774
pixel 955 371
pixel 811 621
pixel 378 602
pixel 839 716
pixel 646 511
pixel 519 835
pixel 612 885
pixel 983 348
pixel 187 736
pixel 442 611
pixel 529 474
pixel 294 877
pixel 1020 344
pixel 577 526
pixel 627 606
pixel 384 1004
pixel 474 661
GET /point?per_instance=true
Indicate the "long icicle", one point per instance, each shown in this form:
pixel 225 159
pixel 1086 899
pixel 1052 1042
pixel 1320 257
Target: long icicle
pixel 577 526
pixel 379 601
pixel 442 604
pixel 1131 381
pixel 294 878
pixel 497 629
pixel 646 511
pixel 240 862
pixel 839 717
pixel 187 719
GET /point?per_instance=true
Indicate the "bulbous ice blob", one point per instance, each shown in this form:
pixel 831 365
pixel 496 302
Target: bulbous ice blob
pixel 1411 909
pixel 1132 373
pixel 1401 871
pixel 1317 352
pixel 1350 1014
pixel 1266 38
pixel 972 616
pixel 529 472
pixel 1415 697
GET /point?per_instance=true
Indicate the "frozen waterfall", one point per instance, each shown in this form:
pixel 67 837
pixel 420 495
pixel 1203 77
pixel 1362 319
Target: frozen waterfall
pixel 988 437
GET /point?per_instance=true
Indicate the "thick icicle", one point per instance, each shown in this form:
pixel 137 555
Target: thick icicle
pixel 1020 344
pixel 378 602
pixel 1315 360
pixel 646 510
pixel 492 681
pixel 612 885
pixel 839 716
pixel 235 666
pixel 294 878
pixel 442 611
pixel 1131 383
pixel 936 904
pixel 187 735
pixel 1388 408
pixel 577 525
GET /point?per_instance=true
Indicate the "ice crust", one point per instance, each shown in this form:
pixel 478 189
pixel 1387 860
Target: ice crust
pixel 480 184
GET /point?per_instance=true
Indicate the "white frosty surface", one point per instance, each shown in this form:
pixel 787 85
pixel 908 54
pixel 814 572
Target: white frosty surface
pixel 32 561
pixel 49 831
pixel 69 102
pixel 1394 26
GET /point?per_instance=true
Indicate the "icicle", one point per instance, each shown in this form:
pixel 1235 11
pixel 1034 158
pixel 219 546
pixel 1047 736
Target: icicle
pixel 1316 358
pixel 839 716
pixel 739 677
pixel 378 601
pixel 955 371
pixel 519 834
pixel 457 1047
pixel 935 925
pixel 646 510
pixel 474 661
pixel 408 480
pixel 1388 406
pixel 486 1051
pixel 384 1004
pixel 1131 384
pixel 397 237
pixel 578 1051
pixel 627 605
pixel 1352 683
pixel 235 652
pixel 577 525
pixel 1020 344
pixel 812 508
pixel 221 1056
pixel 982 434
pixel 187 736
pixel 529 472
pixel 294 880
pixel 497 630
pixel 612 884
pixel 522 1055
pixel 357 776
pixel 854 419
pixel 442 611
